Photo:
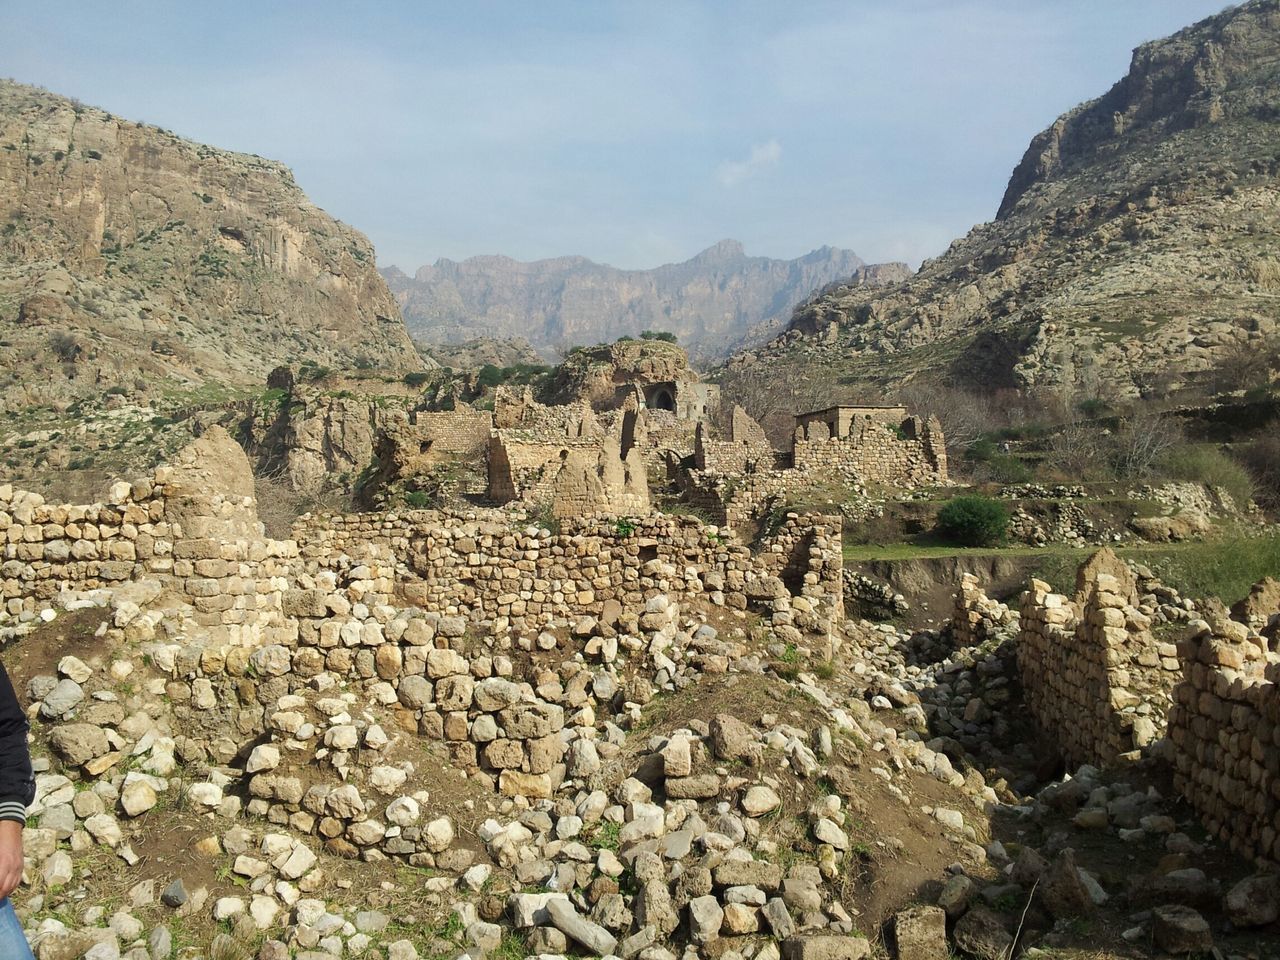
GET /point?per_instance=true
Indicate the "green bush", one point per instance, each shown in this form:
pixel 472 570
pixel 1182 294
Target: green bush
pixel 1007 469
pixel 662 335
pixel 418 499
pixel 974 521
pixel 1209 465
pixel 489 376
pixel 417 378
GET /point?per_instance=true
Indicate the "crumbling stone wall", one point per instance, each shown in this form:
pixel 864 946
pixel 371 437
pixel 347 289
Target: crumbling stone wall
pixel 1261 608
pixel 1095 679
pixel 575 476
pixel 192 525
pixel 737 479
pixel 874 452
pixel 806 555
pixel 745 450
pixel 1225 731
pixel 524 575
pixel 839 421
pixel 978 618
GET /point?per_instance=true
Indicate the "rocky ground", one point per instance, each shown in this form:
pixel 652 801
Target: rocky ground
pixel 723 795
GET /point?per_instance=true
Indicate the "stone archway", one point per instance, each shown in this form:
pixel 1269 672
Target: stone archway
pixel 661 398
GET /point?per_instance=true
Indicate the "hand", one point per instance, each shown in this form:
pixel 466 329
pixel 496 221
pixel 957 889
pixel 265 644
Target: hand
pixel 10 856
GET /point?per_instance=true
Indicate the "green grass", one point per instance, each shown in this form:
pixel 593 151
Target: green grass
pixel 606 836
pixel 1225 569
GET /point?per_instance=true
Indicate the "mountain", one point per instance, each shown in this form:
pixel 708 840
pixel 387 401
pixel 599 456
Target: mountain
pixel 716 301
pixel 1134 251
pixel 127 253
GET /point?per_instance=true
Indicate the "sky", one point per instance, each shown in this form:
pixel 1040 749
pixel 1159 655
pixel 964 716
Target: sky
pixel 633 133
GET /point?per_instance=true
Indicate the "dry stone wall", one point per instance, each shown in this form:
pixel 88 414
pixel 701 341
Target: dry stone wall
pixel 1225 731
pixel 495 568
pixel 874 452
pixel 977 617
pixel 805 555
pixel 736 479
pixel 1095 679
pixel 192 526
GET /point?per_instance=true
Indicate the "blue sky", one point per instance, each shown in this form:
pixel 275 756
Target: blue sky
pixel 631 133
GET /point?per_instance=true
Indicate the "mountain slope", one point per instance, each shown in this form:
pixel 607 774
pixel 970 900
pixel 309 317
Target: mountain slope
pixel 713 302
pixel 127 252
pixel 1133 251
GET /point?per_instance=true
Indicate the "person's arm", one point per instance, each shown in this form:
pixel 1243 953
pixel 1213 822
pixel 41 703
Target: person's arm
pixel 17 786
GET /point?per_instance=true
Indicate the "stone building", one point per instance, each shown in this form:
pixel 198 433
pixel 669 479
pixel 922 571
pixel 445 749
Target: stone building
pixel 569 459
pixel 687 399
pixel 840 420
pixel 738 477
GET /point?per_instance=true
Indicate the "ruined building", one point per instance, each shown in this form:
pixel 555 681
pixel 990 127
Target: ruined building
pixel 618 418
pixel 738 476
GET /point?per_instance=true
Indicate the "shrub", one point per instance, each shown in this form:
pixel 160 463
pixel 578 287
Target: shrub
pixel 1093 407
pixel 489 376
pixel 662 335
pixel 1211 466
pixel 417 378
pixel 974 521
pixel 418 499
pixel 1263 460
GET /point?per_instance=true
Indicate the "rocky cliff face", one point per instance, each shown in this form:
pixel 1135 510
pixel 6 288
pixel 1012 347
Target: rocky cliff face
pixel 1134 249
pixel 717 301
pixel 127 252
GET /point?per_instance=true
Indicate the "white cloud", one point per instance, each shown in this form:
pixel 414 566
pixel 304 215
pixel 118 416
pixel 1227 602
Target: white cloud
pixel 762 157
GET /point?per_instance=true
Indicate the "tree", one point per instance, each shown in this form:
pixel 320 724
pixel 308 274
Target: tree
pixel 489 376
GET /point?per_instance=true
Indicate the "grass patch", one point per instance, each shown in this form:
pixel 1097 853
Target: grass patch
pixel 1208 464
pixel 1226 569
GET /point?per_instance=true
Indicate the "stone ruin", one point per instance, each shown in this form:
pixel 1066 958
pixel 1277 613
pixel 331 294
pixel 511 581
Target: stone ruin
pixel 631 419
pixel 396 601
pixel 1104 690
pixel 568 458
pixel 736 478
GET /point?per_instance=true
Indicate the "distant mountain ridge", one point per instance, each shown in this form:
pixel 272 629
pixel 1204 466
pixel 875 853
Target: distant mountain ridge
pixel 716 302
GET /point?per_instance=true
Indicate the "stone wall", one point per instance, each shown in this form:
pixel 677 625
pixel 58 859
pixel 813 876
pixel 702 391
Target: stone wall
pixel 874 452
pixel 806 555
pixel 523 576
pixel 192 526
pixel 745 450
pixel 1095 679
pixel 1225 730
pixel 839 421
pixel 495 568
pixel 574 476
pixel 978 618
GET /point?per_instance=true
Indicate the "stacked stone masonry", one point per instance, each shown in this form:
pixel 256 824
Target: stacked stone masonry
pixel 1096 681
pixel 739 478
pixel 171 528
pixel 523 575
pixel 977 617
pixel 911 454
pixel 1225 730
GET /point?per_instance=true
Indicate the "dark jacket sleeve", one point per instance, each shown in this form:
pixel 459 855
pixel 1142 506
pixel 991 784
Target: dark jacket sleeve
pixel 17 786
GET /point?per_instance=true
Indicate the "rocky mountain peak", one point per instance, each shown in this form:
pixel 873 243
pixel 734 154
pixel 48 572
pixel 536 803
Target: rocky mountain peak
pixel 720 252
pixel 1212 71
pixel 1133 253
